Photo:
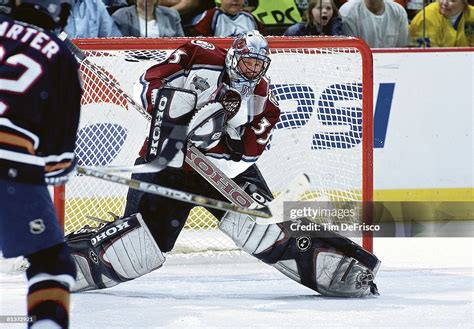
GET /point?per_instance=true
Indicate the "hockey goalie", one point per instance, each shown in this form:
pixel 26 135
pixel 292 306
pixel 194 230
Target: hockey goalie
pixel 222 97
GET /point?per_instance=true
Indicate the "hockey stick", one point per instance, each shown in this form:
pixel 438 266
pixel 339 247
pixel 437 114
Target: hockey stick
pixel 227 187
pixel 82 57
pixel 297 187
pixel 178 134
pixel 238 196
pixel 172 193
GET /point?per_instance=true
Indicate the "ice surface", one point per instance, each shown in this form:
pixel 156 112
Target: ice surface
pixel 423 282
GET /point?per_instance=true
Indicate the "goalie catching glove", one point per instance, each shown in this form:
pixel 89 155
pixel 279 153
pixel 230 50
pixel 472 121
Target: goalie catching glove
pixel 208 125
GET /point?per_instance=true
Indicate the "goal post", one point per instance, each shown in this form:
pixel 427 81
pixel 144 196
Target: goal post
pixel 324 87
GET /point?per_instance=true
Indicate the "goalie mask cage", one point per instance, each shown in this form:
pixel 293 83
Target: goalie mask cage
pixel 323 86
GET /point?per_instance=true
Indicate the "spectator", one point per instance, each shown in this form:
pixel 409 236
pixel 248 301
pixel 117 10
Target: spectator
pixel 90 19
pixel 447 23
pixel 6 6
pixel 380 23
pixel 189 9
pixel 302 6
pixel 148 19
pixel 413 6
pixel 227 20
pixel 113 5
pixel 403 3
pixel 320 18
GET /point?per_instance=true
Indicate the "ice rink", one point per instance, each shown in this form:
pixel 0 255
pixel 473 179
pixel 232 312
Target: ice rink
pixel 423 282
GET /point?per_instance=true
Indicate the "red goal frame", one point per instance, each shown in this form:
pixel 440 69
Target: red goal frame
pixel 274 42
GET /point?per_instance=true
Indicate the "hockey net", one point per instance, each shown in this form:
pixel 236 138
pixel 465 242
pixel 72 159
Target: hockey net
pixel 323 85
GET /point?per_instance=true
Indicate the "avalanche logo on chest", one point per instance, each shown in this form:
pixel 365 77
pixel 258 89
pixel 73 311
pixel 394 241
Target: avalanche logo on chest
pixel 200 84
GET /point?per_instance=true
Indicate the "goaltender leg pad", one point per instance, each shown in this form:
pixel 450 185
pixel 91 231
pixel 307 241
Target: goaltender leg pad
pixel 172 111
pixel 342 276
pixel 324 267
pixel 333 265
pixel 119 251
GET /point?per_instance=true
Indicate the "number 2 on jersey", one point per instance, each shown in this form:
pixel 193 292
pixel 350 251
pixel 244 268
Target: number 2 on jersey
pixel 28 76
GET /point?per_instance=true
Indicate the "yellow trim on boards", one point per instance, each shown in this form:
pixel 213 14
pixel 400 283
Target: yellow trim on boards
pixel 447 194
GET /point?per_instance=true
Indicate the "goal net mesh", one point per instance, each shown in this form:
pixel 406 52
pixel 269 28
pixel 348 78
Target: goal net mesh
pixel 320 89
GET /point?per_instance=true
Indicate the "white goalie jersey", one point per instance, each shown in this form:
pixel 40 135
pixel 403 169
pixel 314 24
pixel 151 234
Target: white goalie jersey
pixel 200 66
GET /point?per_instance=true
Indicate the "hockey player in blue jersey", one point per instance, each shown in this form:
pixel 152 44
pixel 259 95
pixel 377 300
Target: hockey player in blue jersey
pixel 40 95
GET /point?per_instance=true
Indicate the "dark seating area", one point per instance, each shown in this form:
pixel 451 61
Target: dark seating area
pixel 276 29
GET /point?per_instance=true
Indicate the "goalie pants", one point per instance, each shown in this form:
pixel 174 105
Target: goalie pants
pixel 166 217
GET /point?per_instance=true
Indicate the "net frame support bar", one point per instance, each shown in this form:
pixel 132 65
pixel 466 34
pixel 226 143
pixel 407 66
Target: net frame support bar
pixel 274 42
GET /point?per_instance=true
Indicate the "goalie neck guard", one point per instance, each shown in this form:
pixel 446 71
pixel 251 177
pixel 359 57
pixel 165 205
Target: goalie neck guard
pixel 247 61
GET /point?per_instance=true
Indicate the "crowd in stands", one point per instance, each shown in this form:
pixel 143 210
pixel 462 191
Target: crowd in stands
pixel 380 23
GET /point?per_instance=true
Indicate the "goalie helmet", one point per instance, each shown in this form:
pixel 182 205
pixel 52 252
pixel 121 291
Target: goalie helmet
pixel 247 61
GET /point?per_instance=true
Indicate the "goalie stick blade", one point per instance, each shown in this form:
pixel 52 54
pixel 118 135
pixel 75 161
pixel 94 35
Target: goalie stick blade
pixel 152 167
pixel 297 186
pixel 173 194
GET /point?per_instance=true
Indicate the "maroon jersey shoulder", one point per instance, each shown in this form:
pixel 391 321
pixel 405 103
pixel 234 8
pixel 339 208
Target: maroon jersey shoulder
pixel 200 52
pixel 262 88
pixel 192 53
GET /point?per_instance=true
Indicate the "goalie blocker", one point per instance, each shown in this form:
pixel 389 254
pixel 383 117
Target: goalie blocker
pixel 174 112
